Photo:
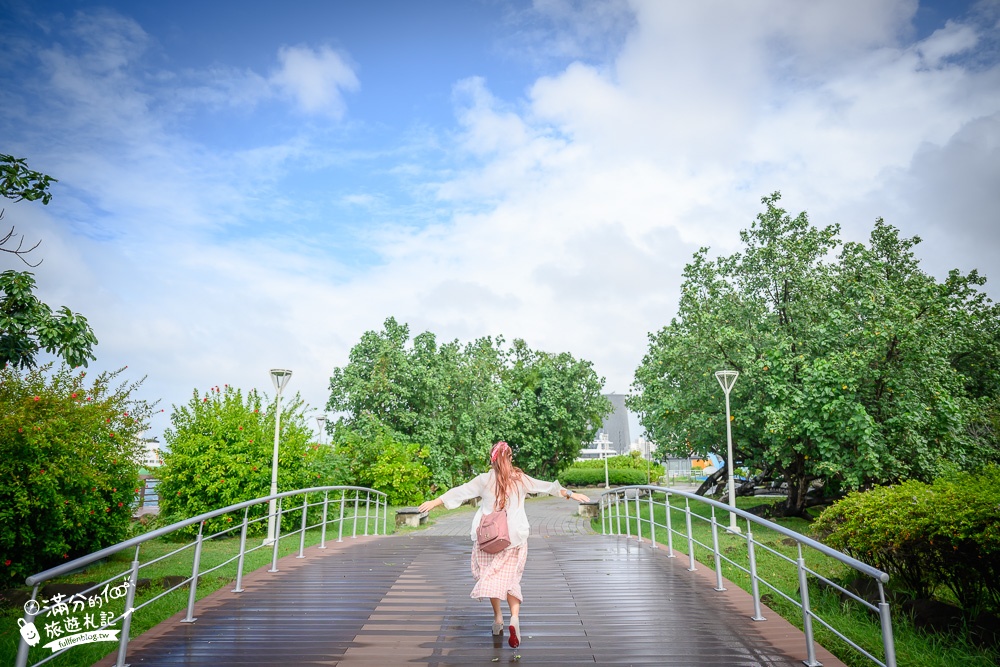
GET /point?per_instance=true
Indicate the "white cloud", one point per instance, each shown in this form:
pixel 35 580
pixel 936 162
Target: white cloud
pixel 569 214
pixel 315 79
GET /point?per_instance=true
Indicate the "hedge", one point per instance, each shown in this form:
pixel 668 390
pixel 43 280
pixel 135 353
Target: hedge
pixel 593 477
pixel 926 535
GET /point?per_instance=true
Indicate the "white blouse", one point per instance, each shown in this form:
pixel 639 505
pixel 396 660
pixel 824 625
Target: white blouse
pixel 483 486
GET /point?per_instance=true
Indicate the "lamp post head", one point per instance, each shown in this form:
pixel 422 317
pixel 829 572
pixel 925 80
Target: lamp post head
pixel 726 379
pixel 280 378
pixel 321 420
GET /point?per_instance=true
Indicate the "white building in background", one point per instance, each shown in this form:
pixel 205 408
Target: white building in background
pixel 600 448
pixel 645 447
pixel 151 455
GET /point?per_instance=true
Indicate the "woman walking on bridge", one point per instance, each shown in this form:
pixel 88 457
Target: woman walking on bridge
pixel 504 487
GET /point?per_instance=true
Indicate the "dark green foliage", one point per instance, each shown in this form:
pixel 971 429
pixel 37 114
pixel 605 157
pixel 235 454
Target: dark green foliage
pixel 28 326
pixel 220 450
pixel 69 463
pixel 594 477
pixel 18 183
pixel 454 401
pixel 851 359
pixel 927 535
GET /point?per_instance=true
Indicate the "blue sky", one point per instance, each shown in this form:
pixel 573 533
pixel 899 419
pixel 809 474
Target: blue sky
pixel 244 186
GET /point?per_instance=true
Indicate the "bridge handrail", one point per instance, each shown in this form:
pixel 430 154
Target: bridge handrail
pixel 608 524
pixel 371 496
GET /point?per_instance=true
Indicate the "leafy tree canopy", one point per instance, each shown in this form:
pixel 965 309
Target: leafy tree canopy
pixel 456 400
pixel 846 354
pixel 28 326
pixel 220 448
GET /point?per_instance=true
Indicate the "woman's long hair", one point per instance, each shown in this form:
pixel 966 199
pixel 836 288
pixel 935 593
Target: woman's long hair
pixel 507 474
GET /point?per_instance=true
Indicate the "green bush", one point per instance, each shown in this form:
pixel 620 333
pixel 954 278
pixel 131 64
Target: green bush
pixel 592 477
pixel 220 449
pixel 69 463
pixel 627 462
pixel 381 462
pixel 927 535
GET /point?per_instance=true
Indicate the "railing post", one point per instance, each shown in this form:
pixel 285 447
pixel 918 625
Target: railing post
pixel 129 608
pixel 368 504
pixel 277 537
pixel 807 626
pixel 22 646
pixel 638 518
pixel 618 514
pixel 354 529
pixel 340 525
pixel 717 554
pixel 385 515
pixel 602 502
pixel 302 535
pixel 754 586
pixel 378 504
pixel 690 535
pixel 628 524
pixel 652 522
pixel 322 530
pixel 193 586
pixel 243 551
pixel 888 643
pixel 670 529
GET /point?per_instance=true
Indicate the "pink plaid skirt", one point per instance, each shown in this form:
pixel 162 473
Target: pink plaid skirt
pixel 498 575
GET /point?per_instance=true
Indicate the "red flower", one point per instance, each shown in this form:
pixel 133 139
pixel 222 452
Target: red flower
pixel 91 511
pixel 241 428
pixel 20 430
pixel 65 555
pixel 119 504
pixel 251 440
pixel 42 471
pixel 74 395
pixel 114 490
pixel 107 509
pixel 137 490
pixel 7 562
pixel 204 400
pixel 38 398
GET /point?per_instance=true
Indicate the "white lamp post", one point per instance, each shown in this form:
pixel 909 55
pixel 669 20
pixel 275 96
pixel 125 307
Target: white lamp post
pixel 727 379
pixel 321 421
pixel 280 378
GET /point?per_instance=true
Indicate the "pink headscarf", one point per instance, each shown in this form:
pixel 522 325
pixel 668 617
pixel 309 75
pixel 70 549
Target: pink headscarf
pixel 497 450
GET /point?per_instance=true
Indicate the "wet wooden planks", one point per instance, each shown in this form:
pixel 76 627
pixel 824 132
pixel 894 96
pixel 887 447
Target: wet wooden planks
pixel 405 600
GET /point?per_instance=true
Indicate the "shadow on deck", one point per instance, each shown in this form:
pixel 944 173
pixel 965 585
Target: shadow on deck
pixel 404 599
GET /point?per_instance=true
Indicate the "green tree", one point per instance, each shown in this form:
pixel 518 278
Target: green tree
pixel 220 449
pixel 845 360
pixel 457 400
pixel 556 406
pixel 69 461
pixel 18 183
pixel 28 326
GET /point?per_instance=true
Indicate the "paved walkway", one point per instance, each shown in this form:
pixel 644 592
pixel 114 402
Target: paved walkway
pixel 404 600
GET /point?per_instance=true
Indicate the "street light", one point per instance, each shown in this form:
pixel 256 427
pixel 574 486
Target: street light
pixel 280 378
pixel 727 379
pixel 321 421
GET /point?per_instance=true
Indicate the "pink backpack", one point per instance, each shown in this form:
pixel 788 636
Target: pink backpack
pixel 492 534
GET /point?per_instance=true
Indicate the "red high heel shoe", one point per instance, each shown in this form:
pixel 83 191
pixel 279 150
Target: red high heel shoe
pixel 515 633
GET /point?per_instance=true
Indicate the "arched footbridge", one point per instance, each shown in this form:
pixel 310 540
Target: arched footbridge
pixel 625 594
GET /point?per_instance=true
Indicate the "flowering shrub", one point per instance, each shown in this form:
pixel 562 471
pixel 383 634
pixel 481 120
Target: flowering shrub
pixel 68 463
pixel 220 451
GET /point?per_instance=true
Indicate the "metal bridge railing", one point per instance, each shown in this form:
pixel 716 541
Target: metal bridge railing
pixel 624 503
pixel 349 498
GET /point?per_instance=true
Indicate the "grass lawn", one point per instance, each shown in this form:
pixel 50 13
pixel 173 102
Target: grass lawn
pixel 861 625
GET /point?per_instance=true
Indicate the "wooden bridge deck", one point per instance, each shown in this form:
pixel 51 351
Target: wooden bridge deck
pixel 404 599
